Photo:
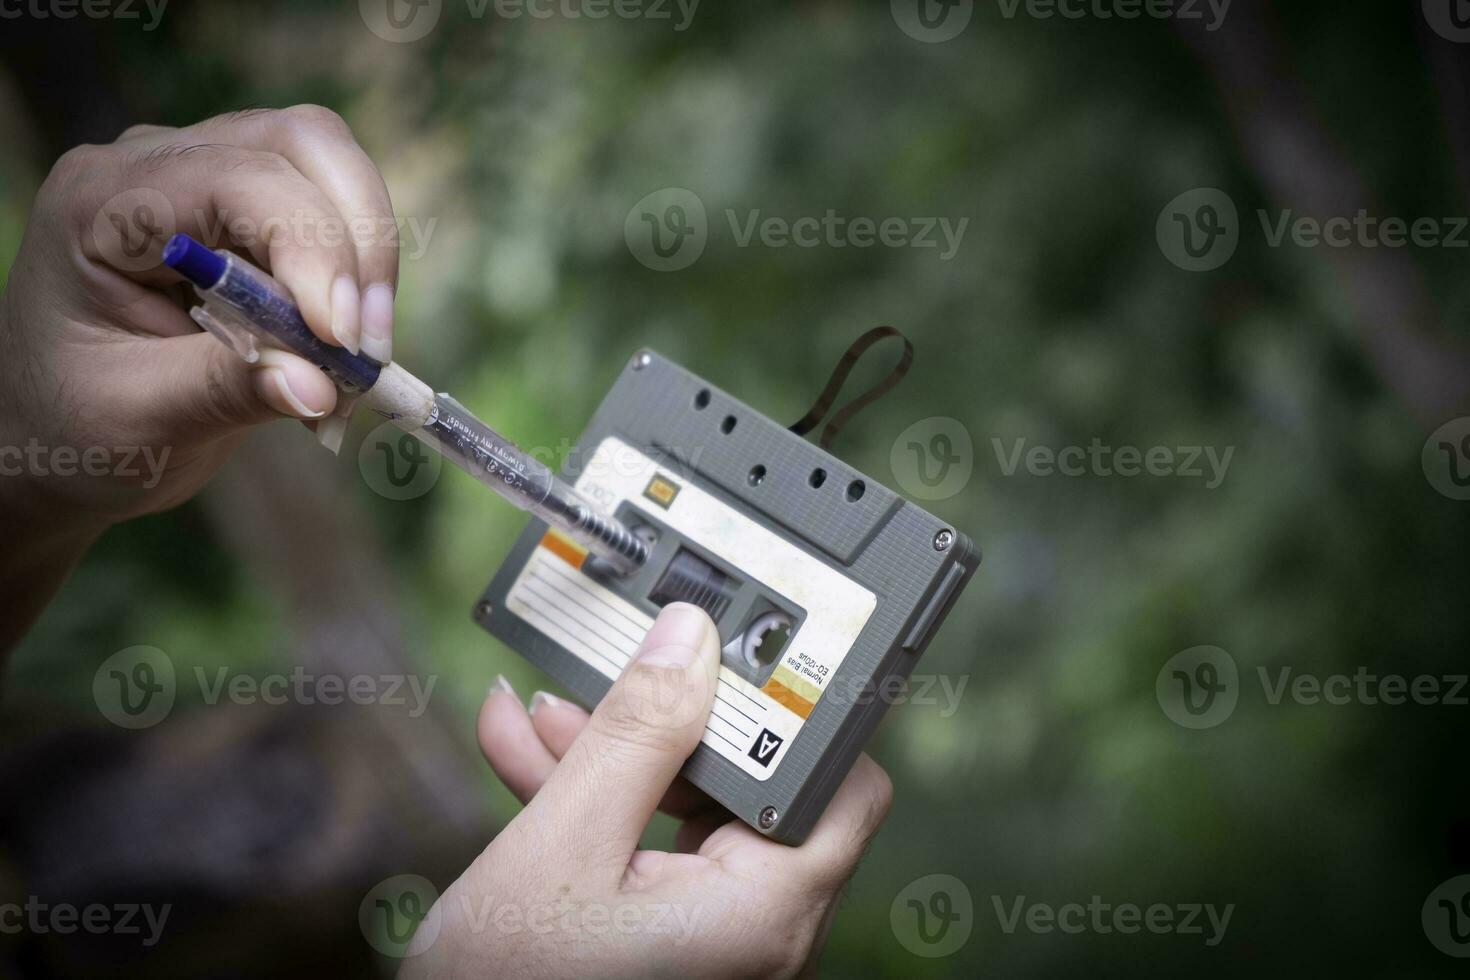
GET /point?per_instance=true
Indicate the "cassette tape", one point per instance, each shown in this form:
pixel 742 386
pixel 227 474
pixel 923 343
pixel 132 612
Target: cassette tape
pixel 825 586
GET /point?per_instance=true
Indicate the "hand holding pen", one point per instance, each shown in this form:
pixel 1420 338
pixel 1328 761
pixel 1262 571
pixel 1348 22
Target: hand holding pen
pixel 103 368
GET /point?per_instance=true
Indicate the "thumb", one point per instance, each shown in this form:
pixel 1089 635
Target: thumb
pixel 608 784
pixel 194 388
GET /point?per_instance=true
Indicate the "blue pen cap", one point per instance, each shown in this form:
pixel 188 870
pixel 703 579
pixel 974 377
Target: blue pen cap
pixel 194 261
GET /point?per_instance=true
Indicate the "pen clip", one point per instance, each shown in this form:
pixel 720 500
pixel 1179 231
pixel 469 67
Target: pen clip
pixel 230 330
pixel 330 430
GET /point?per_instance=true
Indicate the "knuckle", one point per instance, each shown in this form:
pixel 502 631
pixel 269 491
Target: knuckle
pixel 136 130
pixel 236 161
pixel 81 156
pixel 261 162
pixel 75 185
pixel 309 119
pixel 75 164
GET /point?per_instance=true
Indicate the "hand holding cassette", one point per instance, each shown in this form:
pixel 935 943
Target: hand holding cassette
pixel 564 887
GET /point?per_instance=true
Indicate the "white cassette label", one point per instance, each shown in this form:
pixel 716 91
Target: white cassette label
pixel 752 727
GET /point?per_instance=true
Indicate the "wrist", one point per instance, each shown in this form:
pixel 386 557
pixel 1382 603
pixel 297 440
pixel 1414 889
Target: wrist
pixel 45 538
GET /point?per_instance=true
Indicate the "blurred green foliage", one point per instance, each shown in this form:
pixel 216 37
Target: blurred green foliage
pixel 527 142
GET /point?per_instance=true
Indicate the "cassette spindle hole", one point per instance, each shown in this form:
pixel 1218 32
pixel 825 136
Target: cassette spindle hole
pixel 765 638
pixel 646 533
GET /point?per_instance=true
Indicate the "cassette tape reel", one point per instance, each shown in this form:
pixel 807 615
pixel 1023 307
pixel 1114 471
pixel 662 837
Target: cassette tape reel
pixel 825 586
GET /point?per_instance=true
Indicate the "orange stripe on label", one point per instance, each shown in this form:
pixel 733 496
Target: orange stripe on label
pixel 787 698
pixel 568 551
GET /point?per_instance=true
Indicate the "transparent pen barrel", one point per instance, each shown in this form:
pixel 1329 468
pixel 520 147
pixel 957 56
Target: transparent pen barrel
pixel 529 484
pixel 487 455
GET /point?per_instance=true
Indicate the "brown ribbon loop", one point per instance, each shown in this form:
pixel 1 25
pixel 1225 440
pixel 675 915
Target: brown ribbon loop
pixel 844 367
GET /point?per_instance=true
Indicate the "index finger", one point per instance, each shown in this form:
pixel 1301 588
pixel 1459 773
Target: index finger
pixel 253 199
pixel 848 825
pixel 320 144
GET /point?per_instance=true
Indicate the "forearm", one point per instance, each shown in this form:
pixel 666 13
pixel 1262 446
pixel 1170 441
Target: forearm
pixel 44 535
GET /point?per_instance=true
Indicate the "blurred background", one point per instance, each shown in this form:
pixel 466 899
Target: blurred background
pixel 1101 291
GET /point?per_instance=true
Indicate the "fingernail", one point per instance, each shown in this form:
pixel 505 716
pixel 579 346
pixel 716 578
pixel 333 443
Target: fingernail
pixel 377 322
pixel 275 380
pixel 346 313
pixel 542 698
pixel 676 636
pixel 502 685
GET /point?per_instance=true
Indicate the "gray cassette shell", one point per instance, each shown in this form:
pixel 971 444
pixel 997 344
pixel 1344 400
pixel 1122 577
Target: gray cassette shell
pixel 885 543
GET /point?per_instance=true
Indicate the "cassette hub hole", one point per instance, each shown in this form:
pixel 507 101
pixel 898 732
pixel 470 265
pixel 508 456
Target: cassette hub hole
pixel 766 638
